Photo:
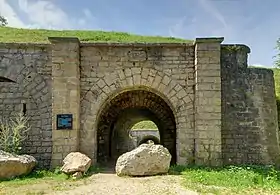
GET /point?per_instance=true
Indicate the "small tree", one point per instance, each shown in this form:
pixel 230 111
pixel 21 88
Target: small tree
pixel 13 133
pixel 3 21
pixel 277 62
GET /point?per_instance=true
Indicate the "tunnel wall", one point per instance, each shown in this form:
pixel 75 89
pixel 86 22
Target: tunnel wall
pixel 122 138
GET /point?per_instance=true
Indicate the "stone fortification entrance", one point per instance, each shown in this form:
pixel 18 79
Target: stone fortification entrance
pixel 209 107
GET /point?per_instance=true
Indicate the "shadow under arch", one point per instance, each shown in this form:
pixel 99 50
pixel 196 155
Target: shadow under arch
pixel 147 138
pixel 136 98
pixel 6 80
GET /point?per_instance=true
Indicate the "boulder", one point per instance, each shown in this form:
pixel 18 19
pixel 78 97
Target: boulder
pixel 75 162
pixel 145 160
pixel 12 165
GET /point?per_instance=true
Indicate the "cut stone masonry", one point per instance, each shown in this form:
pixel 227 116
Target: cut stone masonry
pixel 210 108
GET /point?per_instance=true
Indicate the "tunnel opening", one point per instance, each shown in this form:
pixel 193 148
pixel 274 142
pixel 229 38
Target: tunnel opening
pixel 119 117
pixel 144 130
pixel 149 138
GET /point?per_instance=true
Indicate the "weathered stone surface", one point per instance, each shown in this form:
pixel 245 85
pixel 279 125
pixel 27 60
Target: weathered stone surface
pixel 145 160
pixel 15 165
pixel 75 162
pixel 249 120
pixel 201 91
pixel 77 175
pixel 29 66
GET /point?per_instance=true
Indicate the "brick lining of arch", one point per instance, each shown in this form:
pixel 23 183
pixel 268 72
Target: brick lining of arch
pixel 149 137
pixel 107 88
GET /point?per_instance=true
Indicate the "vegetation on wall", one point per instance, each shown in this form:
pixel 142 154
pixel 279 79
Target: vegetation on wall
pixel 277 90
pixel 13 133
pixel 277 61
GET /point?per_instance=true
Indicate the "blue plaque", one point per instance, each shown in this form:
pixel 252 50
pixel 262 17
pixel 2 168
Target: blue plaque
pixel 64 121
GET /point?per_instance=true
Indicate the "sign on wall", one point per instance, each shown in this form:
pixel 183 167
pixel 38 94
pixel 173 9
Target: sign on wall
pixel 64 121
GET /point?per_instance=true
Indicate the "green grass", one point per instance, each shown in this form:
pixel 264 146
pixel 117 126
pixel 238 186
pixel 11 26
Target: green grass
pixel 145 125
pixel 230 179
pixel 12 35
pixel 44 181
pixel 277 81
pixel 32 177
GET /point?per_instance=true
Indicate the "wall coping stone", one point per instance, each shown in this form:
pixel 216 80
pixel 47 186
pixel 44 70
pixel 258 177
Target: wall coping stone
pixel 63 39
pixel 9 45
pixel 132 44
pixel 209 40
pixel 240 47
pixel 261 70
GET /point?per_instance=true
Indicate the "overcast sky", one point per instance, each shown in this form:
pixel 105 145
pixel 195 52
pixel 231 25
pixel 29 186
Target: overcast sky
pixel 255 23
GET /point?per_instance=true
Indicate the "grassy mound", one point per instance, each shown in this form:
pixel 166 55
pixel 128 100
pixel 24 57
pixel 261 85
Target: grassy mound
pixel 12 35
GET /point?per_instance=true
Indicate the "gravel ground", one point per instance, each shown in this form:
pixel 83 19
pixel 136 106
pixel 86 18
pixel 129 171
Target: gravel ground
pixel 101 184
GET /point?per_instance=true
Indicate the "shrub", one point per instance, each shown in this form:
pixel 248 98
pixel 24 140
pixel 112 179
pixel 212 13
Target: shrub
pixel 13 133
pixel 278 110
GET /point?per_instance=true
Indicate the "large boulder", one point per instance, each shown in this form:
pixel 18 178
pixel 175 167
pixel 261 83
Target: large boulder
pixel 15 165
pixel 145 160
pixel 75 162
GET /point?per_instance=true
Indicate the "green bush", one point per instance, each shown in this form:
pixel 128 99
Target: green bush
pixel 277 91
pixel 278 109
pixel 13 133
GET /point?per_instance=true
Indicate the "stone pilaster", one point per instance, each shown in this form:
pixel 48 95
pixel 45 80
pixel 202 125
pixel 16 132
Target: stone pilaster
pixel 208 101
pixel 65 95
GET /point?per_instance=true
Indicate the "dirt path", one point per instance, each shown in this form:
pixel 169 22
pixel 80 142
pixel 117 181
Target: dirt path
pixel 103 183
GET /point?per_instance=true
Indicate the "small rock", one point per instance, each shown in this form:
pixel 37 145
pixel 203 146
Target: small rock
pixel 145 160
pixel 77 175
pixel 150 142
pixel 15 165
pixel 75 162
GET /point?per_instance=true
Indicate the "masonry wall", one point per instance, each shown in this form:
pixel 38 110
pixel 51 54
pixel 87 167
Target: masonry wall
pixel 28 65
pixel 224 111
pixel 166 68
pixel 249 119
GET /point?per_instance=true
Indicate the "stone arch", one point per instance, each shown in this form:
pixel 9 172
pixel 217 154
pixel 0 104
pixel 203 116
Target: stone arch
pixel 31 92
pixel 141 100
pixel 131 79
pixel 6 80
pixel 147 138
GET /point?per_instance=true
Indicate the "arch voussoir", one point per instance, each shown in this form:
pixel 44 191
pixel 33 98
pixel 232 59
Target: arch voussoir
pixel 147 80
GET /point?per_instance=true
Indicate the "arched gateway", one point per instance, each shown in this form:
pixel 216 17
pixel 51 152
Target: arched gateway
pixel 142 101
pixel 209 107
